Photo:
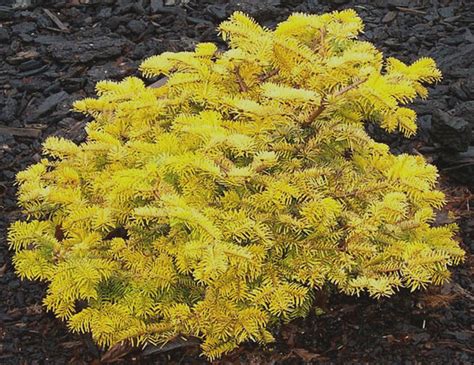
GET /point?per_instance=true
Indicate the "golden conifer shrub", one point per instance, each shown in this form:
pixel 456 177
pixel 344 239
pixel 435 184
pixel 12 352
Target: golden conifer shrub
pixel 216 205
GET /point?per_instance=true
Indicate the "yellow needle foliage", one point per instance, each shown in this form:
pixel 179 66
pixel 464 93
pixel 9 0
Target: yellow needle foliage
pixel 216 205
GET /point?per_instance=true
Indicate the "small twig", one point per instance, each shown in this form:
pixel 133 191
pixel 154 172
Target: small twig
pixel 464 164
pixel 116 352
pixel 317 43
pixel 410 10
pixel 322 45
pixel 242 85
pixel 268 75
pixel 176 343
pixel 349 87
pixel 56 21
pixel 56 30
pixel 316 112
pixel 361 191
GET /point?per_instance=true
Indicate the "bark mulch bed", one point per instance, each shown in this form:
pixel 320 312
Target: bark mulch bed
pixel 53 52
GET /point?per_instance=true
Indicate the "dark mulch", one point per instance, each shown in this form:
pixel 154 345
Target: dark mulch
pixel 53 52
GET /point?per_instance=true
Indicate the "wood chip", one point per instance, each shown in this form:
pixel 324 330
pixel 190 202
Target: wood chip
pixel 389 17
pixel 56 20
pixel 21 132
pixel 305 355
pixel 3 269
pixel 178 342
pixel 161 82
pixel 23 56
pixel 410 10
pixel 116 352
pixel 71 344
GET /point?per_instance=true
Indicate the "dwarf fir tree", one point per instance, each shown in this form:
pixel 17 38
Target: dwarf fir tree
pixel 217 204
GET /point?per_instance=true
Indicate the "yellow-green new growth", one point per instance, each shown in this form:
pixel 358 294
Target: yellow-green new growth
pixel 215 205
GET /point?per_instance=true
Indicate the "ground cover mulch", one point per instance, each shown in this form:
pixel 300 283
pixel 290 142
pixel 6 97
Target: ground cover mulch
pixel 53 52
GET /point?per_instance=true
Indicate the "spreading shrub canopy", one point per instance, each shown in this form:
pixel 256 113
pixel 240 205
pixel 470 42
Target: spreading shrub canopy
pixel 217 204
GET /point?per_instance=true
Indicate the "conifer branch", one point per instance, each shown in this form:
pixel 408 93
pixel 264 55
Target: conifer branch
pixel 242 85
pixel 357 192
pixel 319 44
pixel 316 112
pixel 264 77
pixel 349 87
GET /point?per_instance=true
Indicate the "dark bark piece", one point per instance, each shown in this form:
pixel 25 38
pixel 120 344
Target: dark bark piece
pixel 389 17
pixel 24 28
pixel 23 56
pixel 217 11
pixel 116 352
pixel 87 50
pixel 393 4
pixel 261 10
pixel 156 5
pixel 50 103
pixel 466 111
pixel 9 111
pixel 20 132
pixel 178 342
pixel 452 132
pixel 30 65
pixel 56 20
pixel 4 35
pixel 460 166
pixel 137 26
pixel 6 12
